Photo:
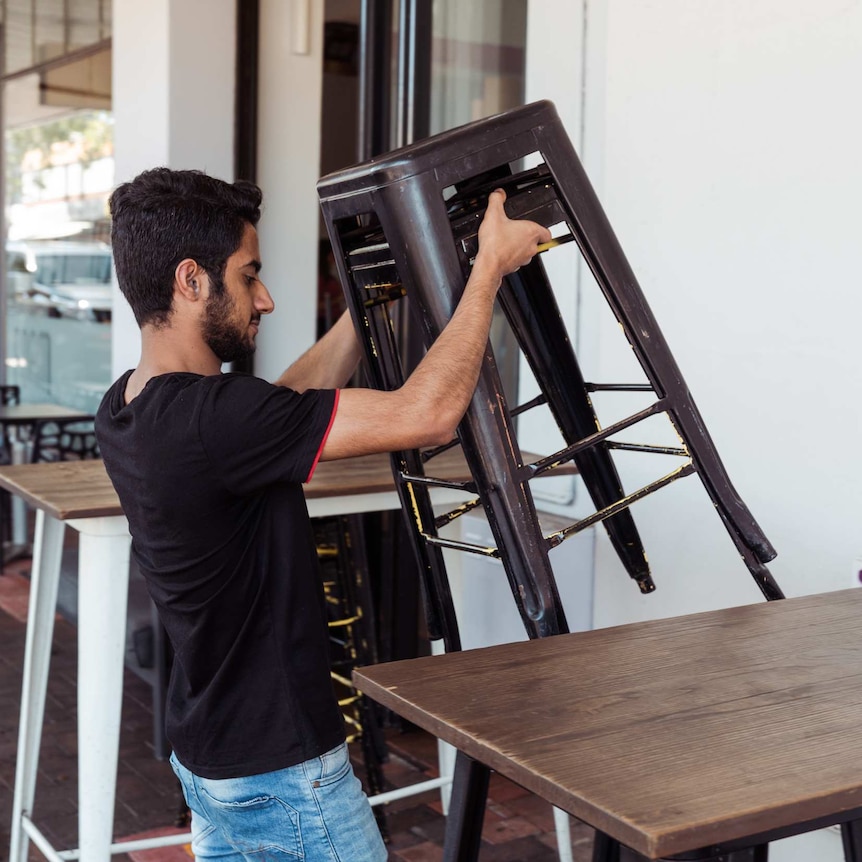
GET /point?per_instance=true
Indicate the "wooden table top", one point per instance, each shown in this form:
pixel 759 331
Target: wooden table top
pixel 82 489
pixel 25 414
pixel 669 735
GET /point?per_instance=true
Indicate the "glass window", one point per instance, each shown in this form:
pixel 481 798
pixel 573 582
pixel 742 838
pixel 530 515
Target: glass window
pixel 85 23
pixel 477 60
pixel 39 31
pixel 477 70
pixel 59 168
pixel 49 40
pixel 18 35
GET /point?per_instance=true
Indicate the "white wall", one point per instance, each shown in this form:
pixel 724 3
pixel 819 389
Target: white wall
pixel 732 174
pixel 722 143
pixel 723 140
pixel 173 95
pixel 289 109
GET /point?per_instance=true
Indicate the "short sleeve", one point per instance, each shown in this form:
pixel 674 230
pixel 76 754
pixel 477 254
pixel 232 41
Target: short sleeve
pixel 256 434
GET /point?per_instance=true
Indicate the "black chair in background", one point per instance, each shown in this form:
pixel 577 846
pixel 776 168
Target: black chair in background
pixel 9 394
pixel 49 440
pixel 69 440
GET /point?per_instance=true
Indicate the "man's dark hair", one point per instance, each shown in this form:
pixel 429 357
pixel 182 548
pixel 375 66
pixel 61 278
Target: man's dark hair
pixel 162 217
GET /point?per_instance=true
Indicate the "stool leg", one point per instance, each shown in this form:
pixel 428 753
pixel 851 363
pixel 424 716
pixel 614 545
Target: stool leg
pixel 384 368
pixel 102 598
pixel 530 306
pixel 45 580
pixel 434 283
pixel 606 259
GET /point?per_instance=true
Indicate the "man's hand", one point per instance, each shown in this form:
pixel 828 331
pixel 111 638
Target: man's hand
pixel 506 244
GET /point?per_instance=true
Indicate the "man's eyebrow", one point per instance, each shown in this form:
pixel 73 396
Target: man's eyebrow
pixel 255 263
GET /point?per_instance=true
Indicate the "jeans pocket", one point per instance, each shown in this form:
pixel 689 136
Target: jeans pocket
pixel 335 764
pixel 261 824
pixel 175 766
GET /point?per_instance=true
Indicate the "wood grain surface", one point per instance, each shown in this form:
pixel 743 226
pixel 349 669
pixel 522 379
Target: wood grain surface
pixel 82 489
pixel 668 735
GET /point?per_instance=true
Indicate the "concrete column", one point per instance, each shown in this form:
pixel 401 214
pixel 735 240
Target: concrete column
pixel 173 94
pixel 289 114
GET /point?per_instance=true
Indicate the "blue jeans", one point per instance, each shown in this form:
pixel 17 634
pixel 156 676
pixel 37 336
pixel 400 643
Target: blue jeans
pixel 314 811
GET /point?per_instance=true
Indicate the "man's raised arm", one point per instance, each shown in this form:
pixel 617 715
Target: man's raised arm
pixel 426 410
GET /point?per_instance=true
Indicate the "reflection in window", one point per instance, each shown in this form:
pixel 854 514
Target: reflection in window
pixel 49 31
pixel 37 31
pixel 477 60
pixel 477 70
pixel 59 170
pixel 18 33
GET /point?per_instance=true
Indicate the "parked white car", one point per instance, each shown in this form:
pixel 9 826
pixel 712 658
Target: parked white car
pixel 72 279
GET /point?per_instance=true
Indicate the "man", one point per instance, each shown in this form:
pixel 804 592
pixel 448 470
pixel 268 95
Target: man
pixel 209 468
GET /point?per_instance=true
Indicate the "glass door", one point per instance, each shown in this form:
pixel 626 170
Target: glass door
pixel 477 60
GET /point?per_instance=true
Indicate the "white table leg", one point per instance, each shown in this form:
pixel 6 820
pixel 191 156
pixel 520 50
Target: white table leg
pixel 103 582
pixel 562 824
pixel 45 579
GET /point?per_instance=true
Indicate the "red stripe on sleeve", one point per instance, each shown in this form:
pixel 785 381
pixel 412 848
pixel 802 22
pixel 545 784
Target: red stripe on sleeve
pixel 323 441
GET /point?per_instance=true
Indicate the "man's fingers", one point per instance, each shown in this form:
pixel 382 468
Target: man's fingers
pixel 496 200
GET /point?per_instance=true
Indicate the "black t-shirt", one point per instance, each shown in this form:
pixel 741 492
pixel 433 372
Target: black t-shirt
pixel 209 473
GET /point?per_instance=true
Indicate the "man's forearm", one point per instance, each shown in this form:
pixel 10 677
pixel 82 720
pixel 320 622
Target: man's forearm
pixel 426 410
pixel 328 364
pixel 443 382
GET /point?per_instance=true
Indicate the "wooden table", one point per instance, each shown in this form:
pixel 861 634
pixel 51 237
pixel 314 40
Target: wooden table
pixel 730 728
pixel 81 489
pixel 21 417
pixel 30 414
pixel 80 494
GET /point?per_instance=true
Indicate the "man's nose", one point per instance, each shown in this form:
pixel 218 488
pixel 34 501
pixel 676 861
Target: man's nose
pixel 264 302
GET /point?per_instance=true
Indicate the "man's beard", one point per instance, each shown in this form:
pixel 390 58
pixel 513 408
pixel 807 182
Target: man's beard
pixel 221 332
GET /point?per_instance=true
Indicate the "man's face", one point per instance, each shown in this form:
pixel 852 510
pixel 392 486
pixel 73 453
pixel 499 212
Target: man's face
pixel 236 302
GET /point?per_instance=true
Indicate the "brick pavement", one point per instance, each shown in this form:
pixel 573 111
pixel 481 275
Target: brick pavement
pixel 518 826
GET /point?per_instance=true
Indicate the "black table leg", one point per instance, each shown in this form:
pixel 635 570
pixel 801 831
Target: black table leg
pixel 851 835
pixel 605 848
pixel 466 810
pixel 760 853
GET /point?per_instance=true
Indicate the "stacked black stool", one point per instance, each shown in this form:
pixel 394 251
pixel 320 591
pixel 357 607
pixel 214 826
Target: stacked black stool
pixel 405 225
pixel 403 228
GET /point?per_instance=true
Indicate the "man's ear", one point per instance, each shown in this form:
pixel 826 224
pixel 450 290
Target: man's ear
pixel 188 279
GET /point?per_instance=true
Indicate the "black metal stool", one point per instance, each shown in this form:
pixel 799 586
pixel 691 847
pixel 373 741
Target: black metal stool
pixel 405 225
